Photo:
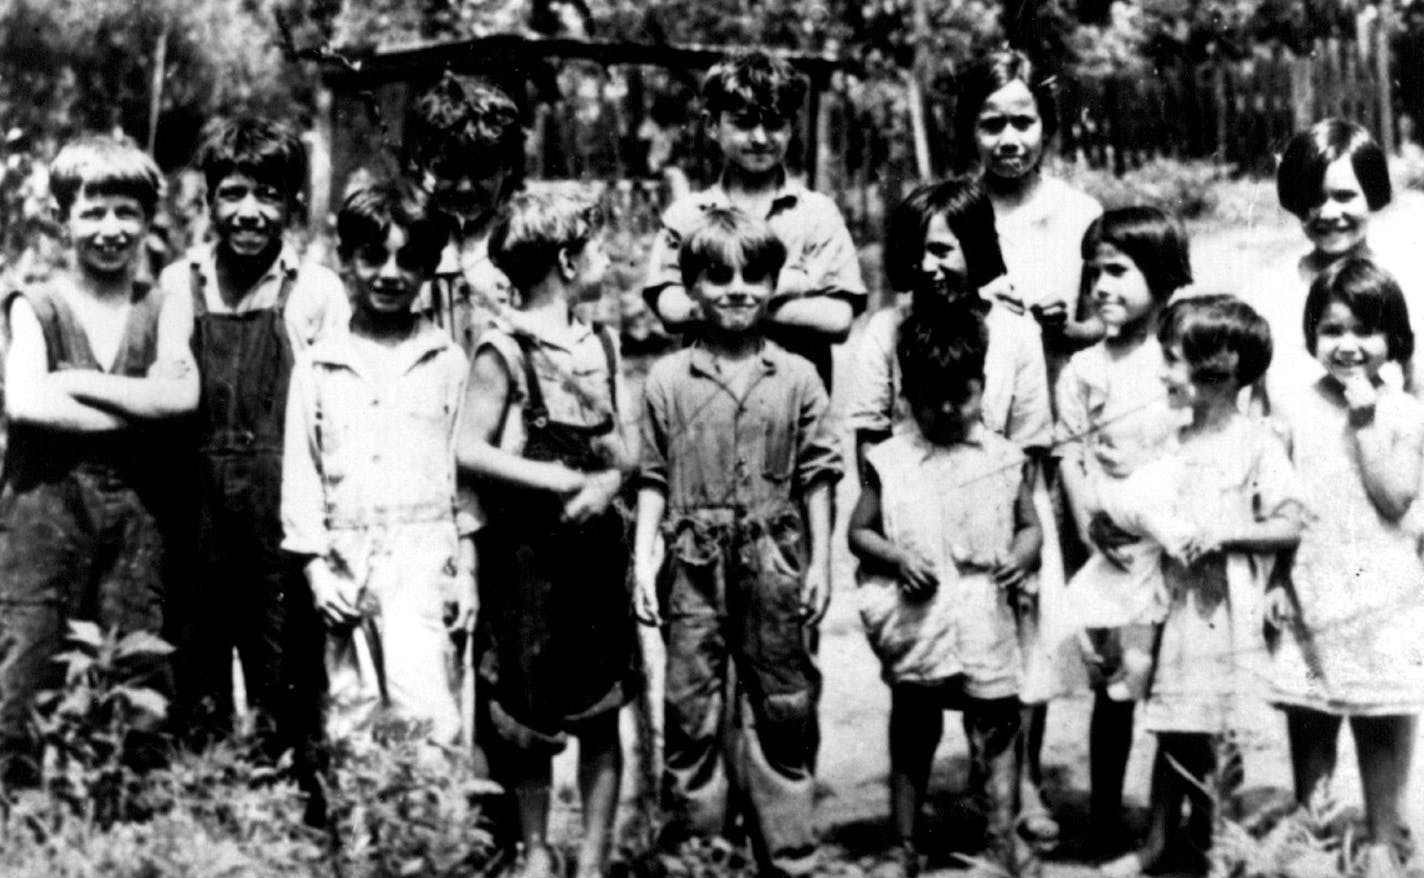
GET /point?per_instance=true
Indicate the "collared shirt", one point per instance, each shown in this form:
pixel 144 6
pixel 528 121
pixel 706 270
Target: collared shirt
pixel 707 447
pixel 465 294
pixel 1016 401
pixel 367 449
pixel 316 306
pixel 818 245
pixel 1043 240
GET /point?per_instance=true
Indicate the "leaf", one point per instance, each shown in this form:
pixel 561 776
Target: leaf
pixel 142 643
pixel 144 700
pixel 86 633
pixel 413 866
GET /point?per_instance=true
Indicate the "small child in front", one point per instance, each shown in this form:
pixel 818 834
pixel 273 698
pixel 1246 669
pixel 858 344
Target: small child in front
pixel 97 364
pixel 739 462
pixel 368 475
pixel 947 536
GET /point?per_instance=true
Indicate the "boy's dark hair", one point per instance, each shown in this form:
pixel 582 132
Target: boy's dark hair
pixel 266 151
pixel 1301 175
pixel 103 165
pixel 970 216
pixel 1221 337
pixel 534 226
pixel 367 215
pixel 462 123
pixel 729 237
pixel 753 81
pixel 939 360
pixel 1372 295
pixel 1153 239
pixel 988 75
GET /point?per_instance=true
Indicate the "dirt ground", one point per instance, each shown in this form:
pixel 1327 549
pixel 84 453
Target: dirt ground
pixel 853 804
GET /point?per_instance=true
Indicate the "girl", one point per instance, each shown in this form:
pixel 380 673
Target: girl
pixel 945 530
pixel 1007 111
pixel 1114 416
pixel 1220 506
pixel 1352 647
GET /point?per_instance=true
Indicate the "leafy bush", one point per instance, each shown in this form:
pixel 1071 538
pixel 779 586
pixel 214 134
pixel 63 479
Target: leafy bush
pixel 1193 189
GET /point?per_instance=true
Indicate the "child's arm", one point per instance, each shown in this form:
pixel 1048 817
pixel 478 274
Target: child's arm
pixel 814 313
pixel 486 401
pixel 1027 544
pixel 33 394
pixel 1389 464
pixel 866 535
pixel 600 488
pixel 652 503
pixel 170 388
pixel 1074 433
pixel 465 604
pixel 662 289
pixel 821 289
pixel 816 587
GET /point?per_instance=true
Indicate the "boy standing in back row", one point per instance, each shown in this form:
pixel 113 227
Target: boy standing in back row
pixel 751 102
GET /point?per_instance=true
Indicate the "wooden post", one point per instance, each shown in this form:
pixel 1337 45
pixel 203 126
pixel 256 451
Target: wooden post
pixel 318 142
pixel 1384 26
pixel 155 94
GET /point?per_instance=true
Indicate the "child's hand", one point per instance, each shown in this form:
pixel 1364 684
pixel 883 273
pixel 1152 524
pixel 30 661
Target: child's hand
pixel 1052 317
pixel 1279 611
pixel 335 594
pixel 565 481
pixel 645 592
pixel 1360 397
pixel 1110 540
pixel 464 605
pixel 916 573
pixel 593 496
pixel 815 593
pixel 1012 572
pixel 1198 545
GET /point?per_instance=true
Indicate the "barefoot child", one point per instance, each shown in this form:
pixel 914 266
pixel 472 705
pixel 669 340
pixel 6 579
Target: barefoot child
pixel 947 536
pixel 368 475
pixel 1220 505
pixel 97 369
pixel 739 463
pixel 543 434
pixel 1352 646
pixel 1113 417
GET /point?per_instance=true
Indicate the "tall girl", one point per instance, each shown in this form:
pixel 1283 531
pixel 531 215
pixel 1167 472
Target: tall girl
pixel 1221 504
pixel 1352 647
pixel 1113 417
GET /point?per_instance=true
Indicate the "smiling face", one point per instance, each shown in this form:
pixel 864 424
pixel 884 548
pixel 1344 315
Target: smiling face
pixel 1009 133
pixel 249 217
pixel 733 300
pixel 1176 375
pixel 754 142
pixel 386 275
pixel 949 420
pixel 1338 224
pixel 465 194
pixel 1346 347
pixel 943 265
pixel 106 232
pixel 1119 289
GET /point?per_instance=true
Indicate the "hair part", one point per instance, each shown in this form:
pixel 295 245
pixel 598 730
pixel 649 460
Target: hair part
pixel 535 227
pixel 726 236
pixel 1153 239
pixel 104 165
pixel 466 122
pixel 1373 297
pixel 969 214
pixel 754 80
pixel 991 73
pixel 368 214
pixel 268 152
pixel 1220 337
pixel 1300 178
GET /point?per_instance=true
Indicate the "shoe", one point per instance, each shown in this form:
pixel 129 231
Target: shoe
pixel 1037 825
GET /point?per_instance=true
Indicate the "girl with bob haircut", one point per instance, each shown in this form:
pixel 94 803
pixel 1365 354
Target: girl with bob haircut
pixel 1154 240
pixel 1352 609
pixel 95 166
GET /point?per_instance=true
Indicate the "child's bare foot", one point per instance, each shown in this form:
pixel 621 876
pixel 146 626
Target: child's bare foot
pixel 539 861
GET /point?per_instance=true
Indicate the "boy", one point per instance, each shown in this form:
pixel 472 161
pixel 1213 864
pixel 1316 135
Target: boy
pixel 368 474
pixel 465 146
pixel 750 102
pixel 253 306
pixel 97 364
pixel 542 433
pixel 738 452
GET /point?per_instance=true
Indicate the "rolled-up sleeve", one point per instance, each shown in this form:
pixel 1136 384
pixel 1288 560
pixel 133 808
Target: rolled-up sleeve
pixel 871 405
pixel 818 454
pixel 831 259
pixel 663 268
pixel 653 453
pixel 303 507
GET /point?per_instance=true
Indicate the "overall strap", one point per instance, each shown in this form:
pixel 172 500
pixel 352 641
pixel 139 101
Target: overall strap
pixel 610 355
pixel 284 288
pixel 196 285
pixel 44 302
pixel 535 411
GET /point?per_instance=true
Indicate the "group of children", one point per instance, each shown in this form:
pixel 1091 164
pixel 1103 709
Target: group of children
pixel 347 478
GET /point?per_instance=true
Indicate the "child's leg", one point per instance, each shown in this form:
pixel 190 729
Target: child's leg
pixel 992 729
pixel 1164 807
pixel 1109 745
pixel 1198 755
pixel 916 726
pixel 30 636
pixel 599 771
pixel 531 774
pixel 1313 736
pixel 1037 820
pixel 1385 748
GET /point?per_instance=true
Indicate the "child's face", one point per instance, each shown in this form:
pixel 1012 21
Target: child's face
pixel 249 216
pixel 466 194
pixel 1177 378
pixel 1346 348
pixel 753 141
pixel 1338 224
pixel 386 275
pixel 1009 133
pixel 733 300
pixel 943 264
pixel 1119 289
pixel 590 267
pixel 949 421
pixel 107 232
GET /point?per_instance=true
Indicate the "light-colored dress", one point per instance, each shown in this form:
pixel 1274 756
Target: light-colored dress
pixel 1211 658
pixel 1356 646
pixel 954 505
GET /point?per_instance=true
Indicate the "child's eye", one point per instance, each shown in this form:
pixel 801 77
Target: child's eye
pixel 409 259
pixel 755 275
pixel 1023 123
pixel 993 124
pixel 372 255
pixel 719 274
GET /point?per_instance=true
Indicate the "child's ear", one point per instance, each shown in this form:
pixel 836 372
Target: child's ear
pixel 568 264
